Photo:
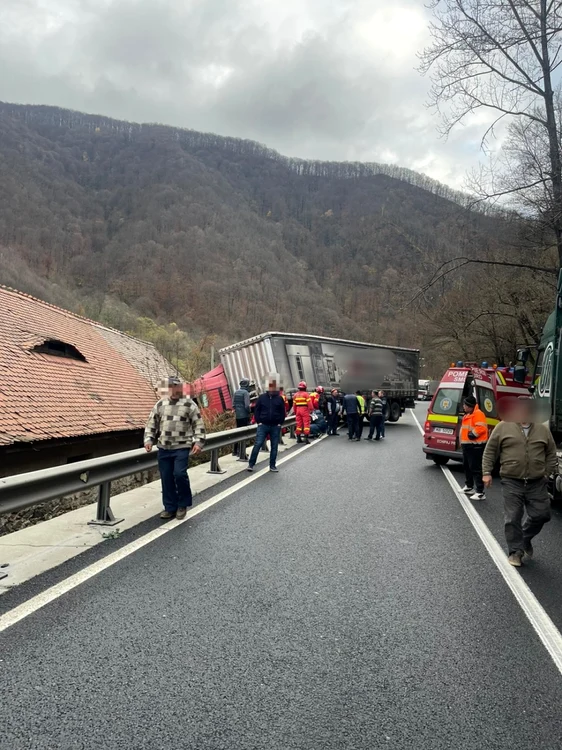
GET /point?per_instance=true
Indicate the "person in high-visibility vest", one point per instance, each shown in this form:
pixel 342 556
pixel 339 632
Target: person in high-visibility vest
pixel 361 415
pixel 474 436
pixel 302 407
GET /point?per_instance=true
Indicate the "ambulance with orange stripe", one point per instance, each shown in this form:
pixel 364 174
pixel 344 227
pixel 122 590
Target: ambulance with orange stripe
pixel 487 384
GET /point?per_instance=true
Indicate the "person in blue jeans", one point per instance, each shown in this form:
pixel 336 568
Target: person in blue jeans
pixel 176 426
pixel 269 413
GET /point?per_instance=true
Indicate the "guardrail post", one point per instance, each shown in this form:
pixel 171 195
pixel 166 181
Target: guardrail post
pixel 215 466
pixel 242 456
pixel 104 514
pixel 292 432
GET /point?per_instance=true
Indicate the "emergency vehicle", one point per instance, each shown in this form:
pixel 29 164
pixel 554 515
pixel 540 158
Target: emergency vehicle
pixel 487 384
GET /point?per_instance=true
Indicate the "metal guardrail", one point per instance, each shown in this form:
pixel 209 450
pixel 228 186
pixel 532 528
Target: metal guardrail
pixel 24 490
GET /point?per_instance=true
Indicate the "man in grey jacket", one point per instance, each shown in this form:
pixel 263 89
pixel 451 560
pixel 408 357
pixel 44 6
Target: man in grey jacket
pixel 527 454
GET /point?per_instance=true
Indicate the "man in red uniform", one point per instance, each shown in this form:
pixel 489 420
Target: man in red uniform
pixel 302 407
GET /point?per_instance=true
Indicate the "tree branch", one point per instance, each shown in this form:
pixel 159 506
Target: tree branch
pixel 463 261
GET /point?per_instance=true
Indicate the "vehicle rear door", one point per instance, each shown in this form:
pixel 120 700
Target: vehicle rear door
pixel 443 413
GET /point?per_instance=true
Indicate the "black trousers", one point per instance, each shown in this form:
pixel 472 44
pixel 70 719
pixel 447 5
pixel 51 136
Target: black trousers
pixel 524 498
pixel 333 420
pixel 240 423
pixel 353 425
pixel 376 422
pixel 472 455
pixel 360 425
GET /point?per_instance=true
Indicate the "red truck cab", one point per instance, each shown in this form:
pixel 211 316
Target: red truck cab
pixel 488 385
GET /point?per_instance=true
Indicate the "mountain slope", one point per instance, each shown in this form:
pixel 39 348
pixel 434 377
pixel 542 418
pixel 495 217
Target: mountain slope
pixel 220 235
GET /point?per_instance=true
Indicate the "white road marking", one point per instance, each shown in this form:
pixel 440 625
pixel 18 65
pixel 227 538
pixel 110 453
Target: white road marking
pixel 55 592
pixel 533 609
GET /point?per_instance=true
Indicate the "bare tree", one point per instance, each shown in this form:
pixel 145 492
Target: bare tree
pixel 501 55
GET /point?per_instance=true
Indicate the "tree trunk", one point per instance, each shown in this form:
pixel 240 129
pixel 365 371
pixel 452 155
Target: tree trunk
pixel 552 129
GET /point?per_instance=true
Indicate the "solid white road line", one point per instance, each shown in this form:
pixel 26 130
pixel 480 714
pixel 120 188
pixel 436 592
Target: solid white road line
pixel 535 612
pixel 54 592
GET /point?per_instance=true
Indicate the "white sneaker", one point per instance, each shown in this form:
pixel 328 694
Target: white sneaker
pixel 467 489
pixel 478 496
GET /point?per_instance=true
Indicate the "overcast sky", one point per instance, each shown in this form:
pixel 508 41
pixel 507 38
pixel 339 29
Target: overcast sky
pixel 323 79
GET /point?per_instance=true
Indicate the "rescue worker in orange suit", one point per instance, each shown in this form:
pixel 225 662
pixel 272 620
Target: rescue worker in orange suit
pixel 319 400
pixel 314 398
pixel 285 400
pixel 302 407
pixel 474 436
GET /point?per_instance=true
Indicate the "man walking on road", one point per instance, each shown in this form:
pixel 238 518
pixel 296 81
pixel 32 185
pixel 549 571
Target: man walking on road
pixel 176 426
pixel 474 436
pixel 269 414
pixel 527 454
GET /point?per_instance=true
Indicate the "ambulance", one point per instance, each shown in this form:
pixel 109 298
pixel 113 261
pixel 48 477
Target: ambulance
pixel 441 442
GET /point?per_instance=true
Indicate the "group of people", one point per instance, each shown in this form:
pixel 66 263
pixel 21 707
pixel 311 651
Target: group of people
pixel 526 453
pixel 355 408
pixel 324 412
pixel 525 449
pixel 176 426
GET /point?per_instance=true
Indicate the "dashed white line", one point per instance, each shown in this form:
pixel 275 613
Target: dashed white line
pixel 533 609
pixel 55 592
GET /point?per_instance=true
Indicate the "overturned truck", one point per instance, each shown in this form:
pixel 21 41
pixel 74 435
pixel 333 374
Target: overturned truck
pixel 331 363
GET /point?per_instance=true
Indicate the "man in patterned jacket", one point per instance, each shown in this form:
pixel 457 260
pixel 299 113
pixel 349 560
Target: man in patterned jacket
pixel 176 426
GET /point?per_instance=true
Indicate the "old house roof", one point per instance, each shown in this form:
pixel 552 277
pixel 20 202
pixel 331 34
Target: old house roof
pixel 62 375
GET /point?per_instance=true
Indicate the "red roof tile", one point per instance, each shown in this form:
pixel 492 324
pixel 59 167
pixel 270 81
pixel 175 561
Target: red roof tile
pixel 43 396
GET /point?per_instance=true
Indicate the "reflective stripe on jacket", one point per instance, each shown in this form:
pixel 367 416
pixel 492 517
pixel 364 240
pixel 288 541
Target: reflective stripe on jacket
pixel 301 400
pixel 475 423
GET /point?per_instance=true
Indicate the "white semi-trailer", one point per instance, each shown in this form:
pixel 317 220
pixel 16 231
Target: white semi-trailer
pixel 331 363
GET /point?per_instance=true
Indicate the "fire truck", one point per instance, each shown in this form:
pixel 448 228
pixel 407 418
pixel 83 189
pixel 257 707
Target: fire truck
pixel 488 385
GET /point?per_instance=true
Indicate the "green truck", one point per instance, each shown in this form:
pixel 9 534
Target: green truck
pixel 546 386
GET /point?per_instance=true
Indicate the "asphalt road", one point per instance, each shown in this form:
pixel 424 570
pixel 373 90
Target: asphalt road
pixel 344 603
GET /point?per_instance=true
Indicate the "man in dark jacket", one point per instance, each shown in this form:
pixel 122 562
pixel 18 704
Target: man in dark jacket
pixel 352 408
pixel 241 406
pixel 269 413
pixel 333 408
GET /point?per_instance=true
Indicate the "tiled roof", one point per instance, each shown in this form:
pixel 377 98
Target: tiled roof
pixel 145 358
pixel 43 396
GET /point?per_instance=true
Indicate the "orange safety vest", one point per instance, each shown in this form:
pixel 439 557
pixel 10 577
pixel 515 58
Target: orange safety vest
pixel 475 423
pixel 301 399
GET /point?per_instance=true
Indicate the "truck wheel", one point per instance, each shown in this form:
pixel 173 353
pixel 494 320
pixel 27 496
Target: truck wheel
pixel 440 460
pixel 394 412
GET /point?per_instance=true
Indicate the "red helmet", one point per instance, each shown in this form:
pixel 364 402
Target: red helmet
pixel 319 389
pixel 302 386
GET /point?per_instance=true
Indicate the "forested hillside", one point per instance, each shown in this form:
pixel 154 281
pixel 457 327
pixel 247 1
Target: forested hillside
pixel 145 226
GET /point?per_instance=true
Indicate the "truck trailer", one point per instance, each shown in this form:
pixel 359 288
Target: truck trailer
pixel 546 386
pixel 332 363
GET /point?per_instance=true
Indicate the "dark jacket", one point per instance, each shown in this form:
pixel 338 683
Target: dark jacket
pixel 333 405
pixel 270 409
pixel 351 404
pixel 241 403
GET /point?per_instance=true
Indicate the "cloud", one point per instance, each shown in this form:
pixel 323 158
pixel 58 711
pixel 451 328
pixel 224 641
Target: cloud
pixel 321 79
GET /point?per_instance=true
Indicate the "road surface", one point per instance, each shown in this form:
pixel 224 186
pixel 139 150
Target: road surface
pixel 346 602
